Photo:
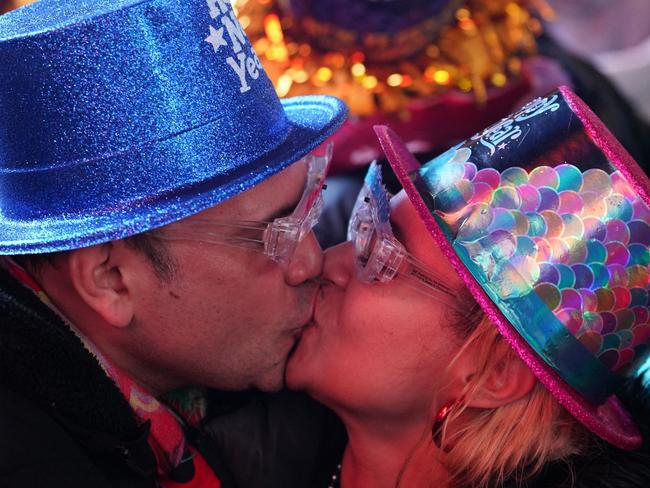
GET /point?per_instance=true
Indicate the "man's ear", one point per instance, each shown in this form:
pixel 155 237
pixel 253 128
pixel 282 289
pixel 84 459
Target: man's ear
pixel 100 284
pixel 507 380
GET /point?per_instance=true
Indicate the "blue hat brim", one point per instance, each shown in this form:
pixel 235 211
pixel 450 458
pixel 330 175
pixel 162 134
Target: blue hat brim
pixel 311 120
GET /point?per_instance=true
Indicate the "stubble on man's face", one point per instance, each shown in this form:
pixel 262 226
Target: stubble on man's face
pixel 229 319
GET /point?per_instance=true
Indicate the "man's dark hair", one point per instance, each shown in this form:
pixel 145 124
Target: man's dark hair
pixel 148 244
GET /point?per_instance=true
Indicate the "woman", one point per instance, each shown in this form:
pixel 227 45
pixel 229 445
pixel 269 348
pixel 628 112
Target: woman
pixel 435 390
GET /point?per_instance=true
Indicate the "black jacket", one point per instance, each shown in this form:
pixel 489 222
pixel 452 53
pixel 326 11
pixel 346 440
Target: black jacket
pixel 64 423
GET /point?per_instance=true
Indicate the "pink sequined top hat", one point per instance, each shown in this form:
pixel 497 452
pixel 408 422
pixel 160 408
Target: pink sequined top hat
pixel 547 220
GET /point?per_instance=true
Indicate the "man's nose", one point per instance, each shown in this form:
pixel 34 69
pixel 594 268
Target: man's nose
pixel 306 262
pixel 339 264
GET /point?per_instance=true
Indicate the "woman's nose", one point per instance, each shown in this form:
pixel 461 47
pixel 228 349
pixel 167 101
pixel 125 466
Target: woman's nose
pixel 339 264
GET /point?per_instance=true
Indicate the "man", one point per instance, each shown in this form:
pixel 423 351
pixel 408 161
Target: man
pixel 154 231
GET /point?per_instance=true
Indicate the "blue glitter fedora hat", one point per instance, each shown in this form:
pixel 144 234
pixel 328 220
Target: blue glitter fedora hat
pixel 124 115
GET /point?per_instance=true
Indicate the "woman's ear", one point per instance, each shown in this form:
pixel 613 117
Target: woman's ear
pixel 97 279
pixel 507 379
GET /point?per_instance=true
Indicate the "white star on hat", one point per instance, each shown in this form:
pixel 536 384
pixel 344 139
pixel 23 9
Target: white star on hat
pixel 216 38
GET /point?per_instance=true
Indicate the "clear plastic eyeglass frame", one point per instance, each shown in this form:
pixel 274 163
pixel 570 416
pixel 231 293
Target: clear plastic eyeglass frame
pixel 380 257
pixel 278 239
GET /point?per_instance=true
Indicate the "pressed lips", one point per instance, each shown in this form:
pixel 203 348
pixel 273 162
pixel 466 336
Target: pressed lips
pixel 297 332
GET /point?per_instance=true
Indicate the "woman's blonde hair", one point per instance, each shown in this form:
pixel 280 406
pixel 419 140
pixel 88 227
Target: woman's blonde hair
pixel 513 441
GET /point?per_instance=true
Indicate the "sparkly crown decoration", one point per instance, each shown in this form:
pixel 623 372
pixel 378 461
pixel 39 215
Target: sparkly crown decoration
pixel 556 236
pixel 375 188
pixel 379 55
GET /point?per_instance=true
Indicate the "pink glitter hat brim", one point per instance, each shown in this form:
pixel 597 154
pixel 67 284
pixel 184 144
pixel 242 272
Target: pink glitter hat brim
pixel 610 146
pixel 610 421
